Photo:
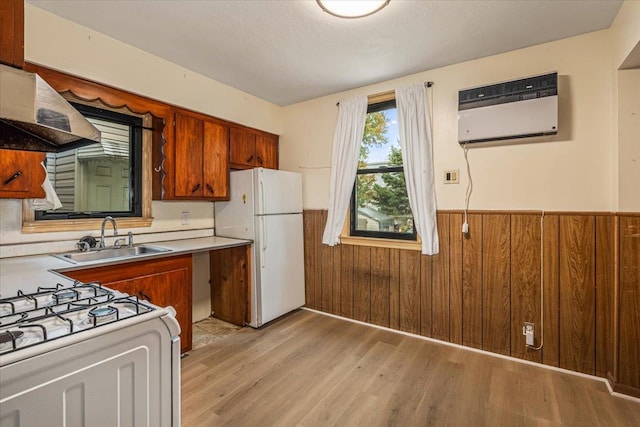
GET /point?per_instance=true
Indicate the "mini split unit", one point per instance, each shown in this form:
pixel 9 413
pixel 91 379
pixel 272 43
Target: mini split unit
pixel 515 109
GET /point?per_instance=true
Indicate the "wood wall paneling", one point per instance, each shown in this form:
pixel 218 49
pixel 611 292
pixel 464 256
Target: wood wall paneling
pixel 481 288
pixel 318 225
pixel 394 288
pixel 472 283
pixel 629 350
pixel 577 293
pixel 380 279
pixel 551 277
pixel 326 273
pixel 440 283
pixel 336 266
pixel 604 264
pixel 362 283
pixel 426 297
pixel 346 281
pixel 409 291
pixel 496 283
pixel 525 283
pixel 310 236
pixel 455 278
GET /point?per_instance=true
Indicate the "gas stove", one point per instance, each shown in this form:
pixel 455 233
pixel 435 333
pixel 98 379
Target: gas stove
pixel 29 319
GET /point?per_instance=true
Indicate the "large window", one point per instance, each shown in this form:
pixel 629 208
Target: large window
pixel 380 205
pixel 100 179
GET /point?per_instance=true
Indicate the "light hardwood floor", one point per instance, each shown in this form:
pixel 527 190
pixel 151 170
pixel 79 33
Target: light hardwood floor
pixel 308 369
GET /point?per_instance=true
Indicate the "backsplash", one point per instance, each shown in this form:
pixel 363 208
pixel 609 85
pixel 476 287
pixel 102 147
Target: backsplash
pixel 167 225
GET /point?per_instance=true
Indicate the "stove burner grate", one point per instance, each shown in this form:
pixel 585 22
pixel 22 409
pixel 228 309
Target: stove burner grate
pixel 12 337
pixel 103 314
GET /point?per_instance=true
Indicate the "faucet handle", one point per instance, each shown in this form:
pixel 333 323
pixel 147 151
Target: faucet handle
pixel 82 246
pixel 86 243
pixel 130 235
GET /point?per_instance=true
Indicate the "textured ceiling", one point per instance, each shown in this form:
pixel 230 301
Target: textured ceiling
pixel 289 51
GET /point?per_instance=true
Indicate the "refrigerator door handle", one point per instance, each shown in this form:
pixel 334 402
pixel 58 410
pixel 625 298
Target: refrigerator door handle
pixel 264 238
pixel 262 200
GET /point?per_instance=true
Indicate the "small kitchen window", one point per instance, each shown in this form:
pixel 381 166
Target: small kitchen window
pixel 380 205
pixel 99 179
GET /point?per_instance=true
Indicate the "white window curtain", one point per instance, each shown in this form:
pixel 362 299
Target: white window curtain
pixel 344 164
pixel 417 159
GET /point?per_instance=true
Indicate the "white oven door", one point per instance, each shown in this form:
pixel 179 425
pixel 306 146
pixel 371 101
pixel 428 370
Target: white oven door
pixel 124 377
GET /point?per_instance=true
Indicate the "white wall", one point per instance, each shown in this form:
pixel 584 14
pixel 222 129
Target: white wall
pixel 629 140
pixel 64 45
pixel 572 171
pixel 625 37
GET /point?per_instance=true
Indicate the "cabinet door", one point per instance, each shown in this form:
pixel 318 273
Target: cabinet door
pixel 216 161
pixel 169 289
pixel 229 284
pixel 243 148
pixel 164 281
pixel 188 157
pixel 21 174
pixel 267 151
pixel 12 32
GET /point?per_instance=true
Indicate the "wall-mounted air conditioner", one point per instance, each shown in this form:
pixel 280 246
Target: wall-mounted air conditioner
pixel 514 109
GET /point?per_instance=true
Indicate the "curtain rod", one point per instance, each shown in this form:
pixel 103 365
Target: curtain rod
pixel 427 84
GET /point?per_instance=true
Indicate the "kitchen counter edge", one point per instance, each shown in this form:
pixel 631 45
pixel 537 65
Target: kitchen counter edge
pixel 29 272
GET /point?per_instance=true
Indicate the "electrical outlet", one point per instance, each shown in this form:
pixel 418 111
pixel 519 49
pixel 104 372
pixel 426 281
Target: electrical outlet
pixel 452 176
pixel 185 218
pixel 529 330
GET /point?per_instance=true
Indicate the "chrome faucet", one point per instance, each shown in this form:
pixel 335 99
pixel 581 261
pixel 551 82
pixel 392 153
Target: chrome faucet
pixel 115 229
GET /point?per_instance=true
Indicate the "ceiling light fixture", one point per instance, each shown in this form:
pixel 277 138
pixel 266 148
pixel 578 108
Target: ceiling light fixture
pixel 352 8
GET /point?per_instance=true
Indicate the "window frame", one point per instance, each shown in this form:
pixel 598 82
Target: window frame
pixel 136 167
pixel 351 235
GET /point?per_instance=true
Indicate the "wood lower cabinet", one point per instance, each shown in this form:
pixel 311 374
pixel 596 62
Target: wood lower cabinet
pixel 230 284
pixel 163 282
pixel 251 149
pixel 12 32
pixel 21 174
pixel 201 159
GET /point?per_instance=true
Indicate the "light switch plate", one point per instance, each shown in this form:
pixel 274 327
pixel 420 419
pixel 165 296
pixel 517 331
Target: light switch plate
pixel 452 176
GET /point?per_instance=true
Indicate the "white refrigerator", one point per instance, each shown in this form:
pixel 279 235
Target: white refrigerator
pixel 266 207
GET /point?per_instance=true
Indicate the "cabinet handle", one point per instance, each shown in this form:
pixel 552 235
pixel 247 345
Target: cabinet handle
pixel 194 189
pixel 158 169
pixel 259 159
pixel 250 158
pixel 12 177
pixel 210 188
pixel 144 296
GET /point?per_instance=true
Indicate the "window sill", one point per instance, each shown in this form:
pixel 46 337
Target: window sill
pixel 29 227
pixel 381 243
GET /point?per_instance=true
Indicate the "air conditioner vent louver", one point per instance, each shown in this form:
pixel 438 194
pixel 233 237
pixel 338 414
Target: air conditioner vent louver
pixel 514 109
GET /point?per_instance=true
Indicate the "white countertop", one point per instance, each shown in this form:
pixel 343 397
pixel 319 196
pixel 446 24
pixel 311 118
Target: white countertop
pixel 28 272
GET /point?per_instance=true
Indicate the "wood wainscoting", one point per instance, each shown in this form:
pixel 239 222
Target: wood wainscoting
pixel 481 288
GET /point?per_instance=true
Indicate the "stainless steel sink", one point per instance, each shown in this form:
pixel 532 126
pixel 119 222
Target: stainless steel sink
pixel 110 253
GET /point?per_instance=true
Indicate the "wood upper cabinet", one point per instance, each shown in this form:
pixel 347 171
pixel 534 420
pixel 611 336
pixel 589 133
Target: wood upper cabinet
pixel 21 174
pixel 216 161
pixel 250 149
pixel 243 148
pixel 12 33
pixel 267 151
pixel 201 159
pixel 163 282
